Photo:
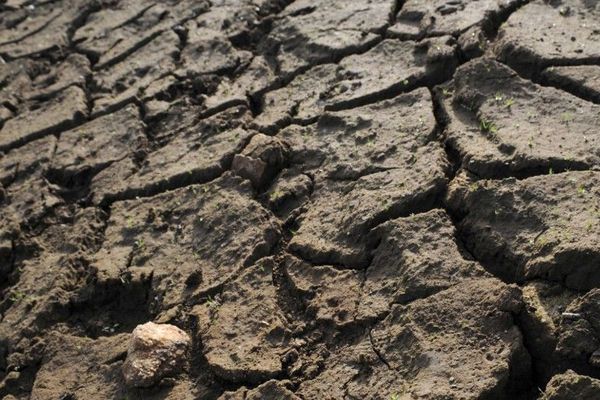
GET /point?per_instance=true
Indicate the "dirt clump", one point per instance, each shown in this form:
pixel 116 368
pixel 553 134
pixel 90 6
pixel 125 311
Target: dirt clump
pixel 571 386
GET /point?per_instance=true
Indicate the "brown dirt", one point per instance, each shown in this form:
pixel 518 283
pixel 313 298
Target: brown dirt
pixel 370 199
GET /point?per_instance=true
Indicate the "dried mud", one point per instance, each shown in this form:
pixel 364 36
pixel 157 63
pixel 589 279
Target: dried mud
pixel 374 199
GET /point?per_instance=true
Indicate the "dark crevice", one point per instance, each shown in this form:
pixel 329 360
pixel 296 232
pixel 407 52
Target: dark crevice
pixel 530 66
pixel 494 21
pixel 178 181
pixel 538 75
pixel 537 382
pixel 284 80
pixel 377 352
pixel 80 21
pixel 79 119
pixel 254 105
pixel 498 170
pixel 121 57
pixel 145 40
pixel 398 4
pixel 329 263
pixel 133 18
pixel 395 90
pixel 174 182
pixel 28 34
pixel 571 86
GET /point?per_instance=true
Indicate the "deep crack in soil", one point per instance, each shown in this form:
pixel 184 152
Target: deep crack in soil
pixel 374 199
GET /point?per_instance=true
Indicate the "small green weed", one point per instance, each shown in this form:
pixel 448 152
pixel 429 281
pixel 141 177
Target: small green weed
pixel 566 118
pixel 275 196
pixel 488 126
pixel 16 295
pixel 139 243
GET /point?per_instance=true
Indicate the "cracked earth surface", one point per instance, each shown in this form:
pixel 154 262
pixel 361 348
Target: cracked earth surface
pixel 369 199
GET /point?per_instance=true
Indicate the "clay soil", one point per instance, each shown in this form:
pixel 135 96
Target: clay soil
pixel 366 199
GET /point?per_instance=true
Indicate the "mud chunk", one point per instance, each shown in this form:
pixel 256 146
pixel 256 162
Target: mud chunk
pixel 540 227
pixel 544 33
pixel 312 32
pixel 56 114
pixel 41 29
pixel 155 351
pixel 579 332
pixel 106 27
pixel 155 109
pixel 98 143
pixel 255 79
pixel 433 347
pixel 367 169
pixel 334 227
pixel 498 344
pixel 211 38
pixel 16 78
pixel 390 67
pixel 27 83
pixel 570 385
pixel 47 271
pixel 196 151
pixel 289 191
pixel 504 125
pixel 73 71
pixel 271 390
pixel 236 19
pixel 418 18
pixel 27 201
pixel 184 114
pixel 189 240
pixel 261 159
pixel 28 159
pixel 473 42
pixel 331 295
pixel 540 321
pixel 207 52
pixel 124 81
pixel 417 256
pixel 5 114
pixel 244 333
pixel 112 33
pixel 583 80
pixel 345 145
pixel 68 359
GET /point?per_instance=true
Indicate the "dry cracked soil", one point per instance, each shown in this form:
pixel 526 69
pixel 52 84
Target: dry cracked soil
pixel 366 199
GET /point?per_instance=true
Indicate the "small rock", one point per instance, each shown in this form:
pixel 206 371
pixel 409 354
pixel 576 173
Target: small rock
pixel 155 351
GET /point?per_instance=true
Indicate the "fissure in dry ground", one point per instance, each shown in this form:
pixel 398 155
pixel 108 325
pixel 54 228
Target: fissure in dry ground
pixel 370 199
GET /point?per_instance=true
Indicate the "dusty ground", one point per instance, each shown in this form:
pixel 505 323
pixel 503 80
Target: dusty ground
pixel 366 199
